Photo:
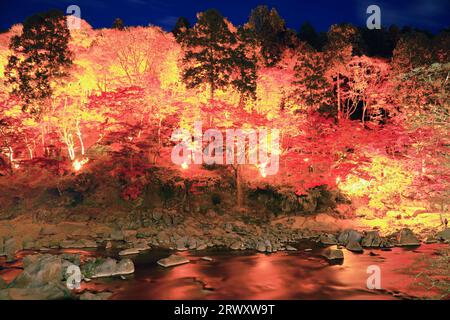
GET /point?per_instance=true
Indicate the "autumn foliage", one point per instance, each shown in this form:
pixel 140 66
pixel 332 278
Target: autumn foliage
pixel 370 127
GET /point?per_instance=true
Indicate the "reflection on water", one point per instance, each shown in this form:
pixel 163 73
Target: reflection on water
pixel 282 275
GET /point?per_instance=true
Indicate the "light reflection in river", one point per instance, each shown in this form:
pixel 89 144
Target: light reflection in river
pixel 249 275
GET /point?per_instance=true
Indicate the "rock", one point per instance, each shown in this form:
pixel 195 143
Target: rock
pixel 192 244
pixel 117 235
pixel 291 248
pixel 10 249
pixel 167 219
pixel 430 240
pixel 407 238
pixel 50 291
pixel 349 235
pixel 354 246
pixel 333 254
pixel 371 239
pixel 48 230
pixel 124 267
pixel 128 252
pixel 78 244
pixel 108 245
pixel 181 244
pixel 141 246
pixel 3 283
pixel 444 235
pixel 268 245
pixel 95 296
pixel 39 270
pixel 163 237
pixel 261 247
pixel 157 214
pixel 173 260
pixel 327 239
pixel 202 246
pixel 109 268
pixel 237 245
pixel 207 258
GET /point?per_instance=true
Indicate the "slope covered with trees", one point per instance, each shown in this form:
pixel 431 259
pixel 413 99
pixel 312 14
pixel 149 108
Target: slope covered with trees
pixel 357 124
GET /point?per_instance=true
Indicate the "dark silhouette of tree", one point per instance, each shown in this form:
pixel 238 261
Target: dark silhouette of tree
pixel 181 27
pixel 412 50
pixel 209 51
pixel 40 58
pixel 270 31
pixel 245 61
pixel 308 34
pixel 118 24
pixel 311 86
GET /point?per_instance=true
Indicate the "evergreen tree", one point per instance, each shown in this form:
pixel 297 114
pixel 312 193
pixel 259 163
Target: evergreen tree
pixel 270 31
pixel 40 58
pixel 209 52
pixel 245 61
pixel 311 86
pixel 181 27
pixel 118 24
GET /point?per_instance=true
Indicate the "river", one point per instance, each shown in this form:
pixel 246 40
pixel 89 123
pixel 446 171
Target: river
pixel 302 274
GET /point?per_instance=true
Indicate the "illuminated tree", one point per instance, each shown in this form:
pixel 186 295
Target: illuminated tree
pixel 342 42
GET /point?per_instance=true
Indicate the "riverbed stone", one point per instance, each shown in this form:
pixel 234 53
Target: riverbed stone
pixel 172 260
pixel 371 239
pixel 349 235
pixel 333 254
pixel 50 291
pixel 11 247
pixel 261 247
pixel 202 246
pixel 444 235
pixel 95 296
pixel 39 270
pixel 129 251
pixel 110 267
pixel 354 246
pixel 327 239
pixel 236 245
pixel 407 238
pixel 117 235
pixel 3 283
pixel 124 267
pixel 207 258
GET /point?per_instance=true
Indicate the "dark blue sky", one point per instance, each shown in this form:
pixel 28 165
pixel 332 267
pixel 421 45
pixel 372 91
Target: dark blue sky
pixel 426 14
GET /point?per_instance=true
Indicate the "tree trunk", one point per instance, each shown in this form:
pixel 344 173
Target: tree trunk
pixel 239 190
pixel 364 114
pixel 339 97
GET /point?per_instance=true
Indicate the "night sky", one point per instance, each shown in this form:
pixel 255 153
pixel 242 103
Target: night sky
pixel 432 15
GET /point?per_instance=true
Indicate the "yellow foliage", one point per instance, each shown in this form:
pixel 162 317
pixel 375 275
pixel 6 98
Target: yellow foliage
pixel 388 181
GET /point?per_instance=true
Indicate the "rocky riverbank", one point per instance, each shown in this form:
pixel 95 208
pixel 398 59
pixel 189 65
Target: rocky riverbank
pixel 44 275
